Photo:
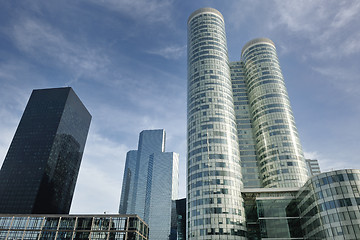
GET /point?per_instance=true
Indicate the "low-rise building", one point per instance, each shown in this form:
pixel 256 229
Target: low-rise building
pixel 54 227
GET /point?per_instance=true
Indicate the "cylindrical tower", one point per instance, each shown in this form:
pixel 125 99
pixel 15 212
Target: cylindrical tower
pixel 214 202
pixel 280 156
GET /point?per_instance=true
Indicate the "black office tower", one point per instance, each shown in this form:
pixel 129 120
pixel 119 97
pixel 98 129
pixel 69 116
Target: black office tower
pixel 41 167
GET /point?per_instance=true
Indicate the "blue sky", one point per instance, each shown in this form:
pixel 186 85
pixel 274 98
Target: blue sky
pixel 126 60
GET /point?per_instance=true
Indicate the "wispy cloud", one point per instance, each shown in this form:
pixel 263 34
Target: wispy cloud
pixel 12 104
pixel 311 155
pixel 151 11
pixel 99 181
pixel 49 45
pixel 343 78
pixel 346 14
pixel 331 27
pixel 302 16
pixel 170 52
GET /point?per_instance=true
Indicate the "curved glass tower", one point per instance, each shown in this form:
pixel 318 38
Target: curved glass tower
pixel 280 157
pixel 215 205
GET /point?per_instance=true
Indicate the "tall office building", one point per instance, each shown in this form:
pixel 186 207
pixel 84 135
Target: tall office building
pixel 239 112
pixel 265 121
pixel 215 205
pixel 40 170
pixel 150 184
pixel 313 166
pixel 247 146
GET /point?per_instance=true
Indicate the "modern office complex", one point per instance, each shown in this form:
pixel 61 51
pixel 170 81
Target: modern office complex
pixel 247 175
pixel 41 167
pixel 77 227
pixel 150 184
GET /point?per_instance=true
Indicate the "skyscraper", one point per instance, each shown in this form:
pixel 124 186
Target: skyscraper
pixel 237 113
pixel 313 166
pixel 270 149
pixel 40 170
pixel 215 205
pixel 150 184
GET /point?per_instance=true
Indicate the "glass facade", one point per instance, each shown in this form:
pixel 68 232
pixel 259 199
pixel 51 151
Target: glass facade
pixel 41 167
pixel 241 111
pixel 150 141
pixel 77 227
pixel 247 146
pixel 271 213
pixel 329 205
pixel 280 156
pixel 150 184
pixel 127 204
pixel 215 206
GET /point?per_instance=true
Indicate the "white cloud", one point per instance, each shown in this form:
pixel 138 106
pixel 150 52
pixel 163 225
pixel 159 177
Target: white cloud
pixel 170 52
pixel 311 155
pixel 45 43
pixel 100 176
pixel 12 104
pixel 302 16
pixel 344 78
pixel 327 163
pixel 149 10
pixel 331 27
pixel 346 14
pixel 96 191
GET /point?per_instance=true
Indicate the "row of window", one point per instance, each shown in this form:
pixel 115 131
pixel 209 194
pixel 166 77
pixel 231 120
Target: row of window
pixel 257 52
pixel 212 173
pixel 217 182
pixel 67 223
pixel 207 165
pixel 257 48
pixel 271 95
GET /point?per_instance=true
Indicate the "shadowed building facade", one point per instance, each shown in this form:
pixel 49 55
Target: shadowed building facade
pixel 40 170
pixel 79 227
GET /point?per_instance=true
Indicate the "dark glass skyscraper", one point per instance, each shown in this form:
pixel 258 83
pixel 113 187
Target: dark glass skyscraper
pixel 41 167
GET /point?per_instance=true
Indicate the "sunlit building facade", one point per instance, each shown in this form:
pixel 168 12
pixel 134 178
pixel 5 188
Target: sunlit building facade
pixel 247 175
pixel 150 184
pixel 215 206
pixel 281 160
pixel 270 150
pixel 77 227
pixel 40 170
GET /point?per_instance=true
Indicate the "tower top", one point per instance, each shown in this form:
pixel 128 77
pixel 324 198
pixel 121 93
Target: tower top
pixel 256 40
pixel 203 10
